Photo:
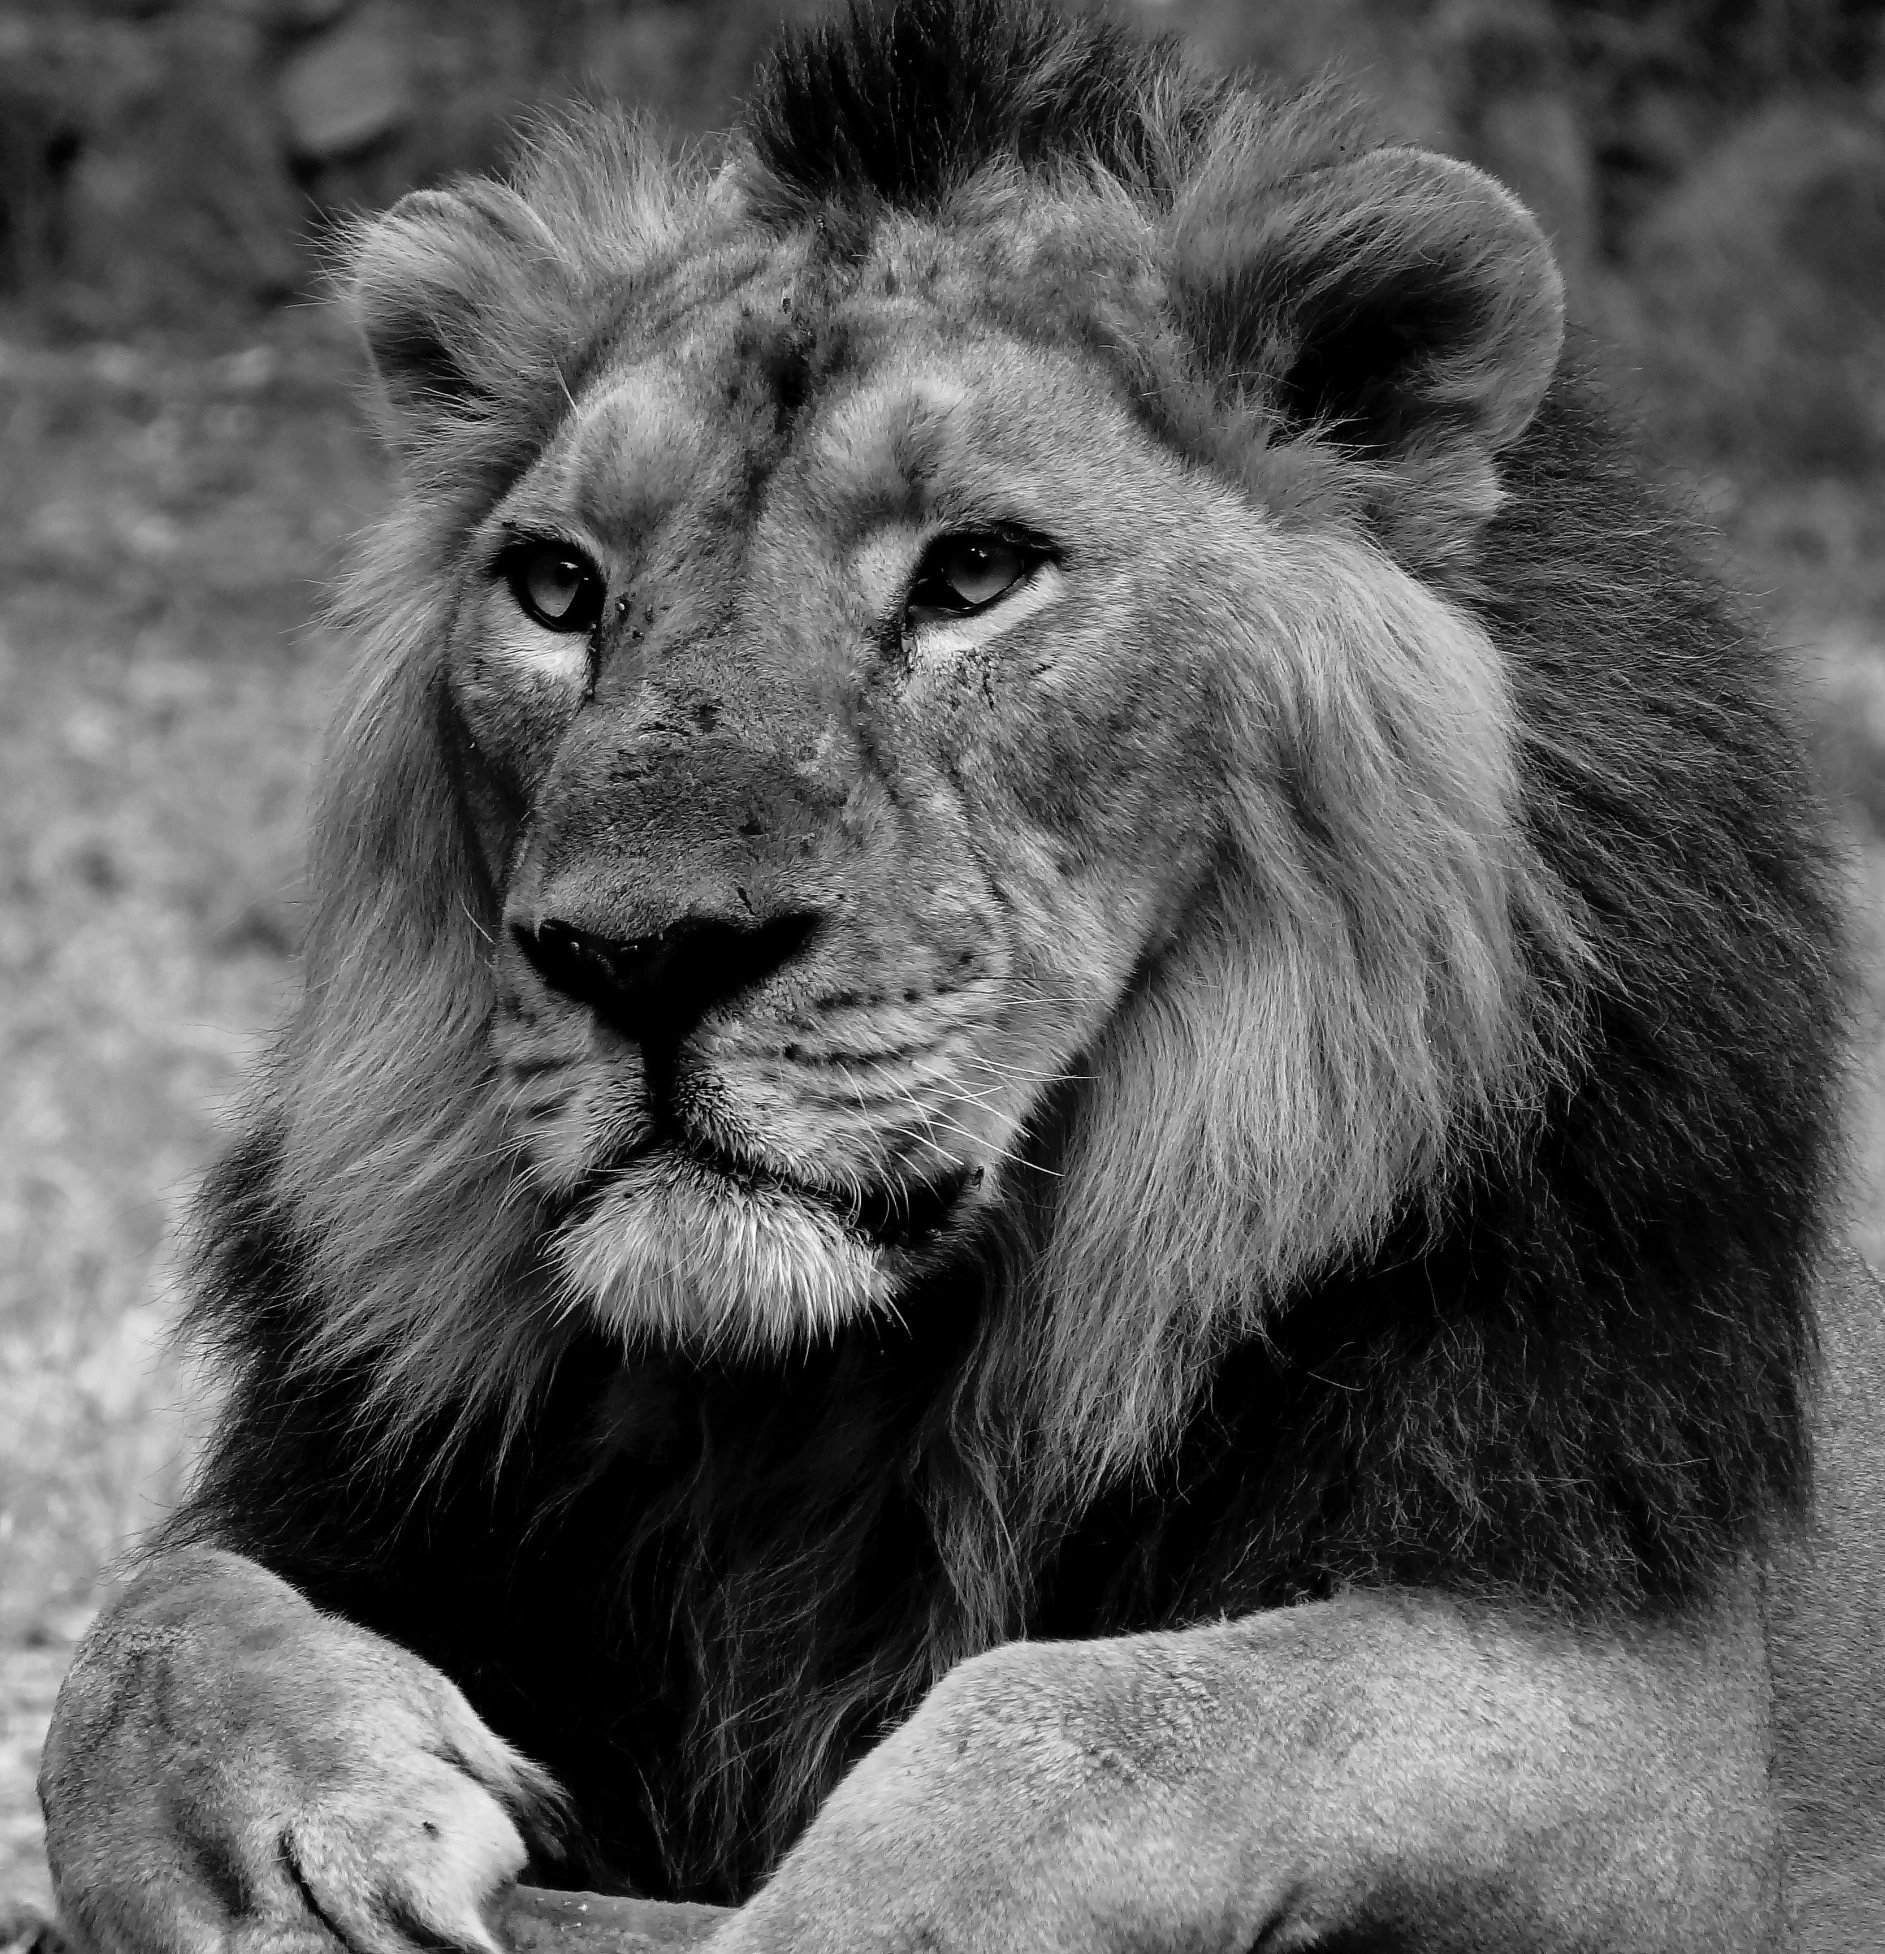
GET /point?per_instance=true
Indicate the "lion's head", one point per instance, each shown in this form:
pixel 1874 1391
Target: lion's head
pixel 876 729
pixel 929 702
pixel 893 707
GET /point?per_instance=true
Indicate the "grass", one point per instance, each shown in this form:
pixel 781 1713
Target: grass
pixel 166 518
pixel 167 515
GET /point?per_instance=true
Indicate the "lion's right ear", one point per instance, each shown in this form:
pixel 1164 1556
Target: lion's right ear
pixel 458 293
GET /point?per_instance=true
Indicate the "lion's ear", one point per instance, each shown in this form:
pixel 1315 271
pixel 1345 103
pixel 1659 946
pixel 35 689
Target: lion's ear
pixel 455 291
pixel 1400 302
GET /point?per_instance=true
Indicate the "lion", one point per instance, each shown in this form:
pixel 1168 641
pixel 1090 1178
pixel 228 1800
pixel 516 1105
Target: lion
pixel 1059 1167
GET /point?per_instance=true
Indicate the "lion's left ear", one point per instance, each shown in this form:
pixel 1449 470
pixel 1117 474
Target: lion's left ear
pixel 1403 303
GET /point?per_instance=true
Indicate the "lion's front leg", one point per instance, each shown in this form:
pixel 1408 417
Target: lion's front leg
pixel 231 1769
pixel 1381 1766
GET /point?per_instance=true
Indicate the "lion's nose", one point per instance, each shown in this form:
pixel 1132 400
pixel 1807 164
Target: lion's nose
pixel 656 989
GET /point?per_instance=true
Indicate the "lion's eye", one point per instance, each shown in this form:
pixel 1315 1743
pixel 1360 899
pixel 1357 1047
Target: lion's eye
pixel 967 573
pixel 554 586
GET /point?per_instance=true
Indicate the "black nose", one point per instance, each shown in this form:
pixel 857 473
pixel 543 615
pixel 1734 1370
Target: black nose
pixel 656 989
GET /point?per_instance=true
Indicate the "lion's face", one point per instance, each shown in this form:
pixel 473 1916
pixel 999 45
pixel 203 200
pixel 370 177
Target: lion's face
pixel 841 674
pixel 952 737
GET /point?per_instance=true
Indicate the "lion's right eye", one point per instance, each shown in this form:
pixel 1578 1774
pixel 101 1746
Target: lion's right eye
pixel 554 586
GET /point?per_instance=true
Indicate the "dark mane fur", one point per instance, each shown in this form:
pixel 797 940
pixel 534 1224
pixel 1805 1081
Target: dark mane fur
pixel 695 1591
pixel 902 105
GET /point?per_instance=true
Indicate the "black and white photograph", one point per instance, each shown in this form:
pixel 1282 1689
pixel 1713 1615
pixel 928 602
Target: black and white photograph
pixel 942 976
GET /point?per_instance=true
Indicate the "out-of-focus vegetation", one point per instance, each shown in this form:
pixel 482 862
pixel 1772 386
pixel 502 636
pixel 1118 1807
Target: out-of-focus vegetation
pixel 180 462
pixel 168 509
pixel 1713 170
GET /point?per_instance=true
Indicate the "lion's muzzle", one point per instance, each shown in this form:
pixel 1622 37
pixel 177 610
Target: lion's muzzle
pixel 655 989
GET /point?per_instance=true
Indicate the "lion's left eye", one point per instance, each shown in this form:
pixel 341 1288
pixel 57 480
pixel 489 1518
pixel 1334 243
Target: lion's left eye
pixel 553 585
pixel 959 574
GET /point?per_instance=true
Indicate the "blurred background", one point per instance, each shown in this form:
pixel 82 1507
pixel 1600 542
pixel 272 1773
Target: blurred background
pixel 182 459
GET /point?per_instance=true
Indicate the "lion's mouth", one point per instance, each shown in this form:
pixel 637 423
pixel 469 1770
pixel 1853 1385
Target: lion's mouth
pixel 905 1217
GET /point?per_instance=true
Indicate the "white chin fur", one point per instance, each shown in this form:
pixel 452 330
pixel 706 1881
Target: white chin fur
pixel 674 1253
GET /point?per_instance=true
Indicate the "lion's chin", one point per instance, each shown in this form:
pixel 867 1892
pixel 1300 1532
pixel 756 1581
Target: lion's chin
pixel 675 1252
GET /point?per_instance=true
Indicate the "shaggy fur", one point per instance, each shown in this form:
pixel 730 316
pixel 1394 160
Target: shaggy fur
pixel 1439 1207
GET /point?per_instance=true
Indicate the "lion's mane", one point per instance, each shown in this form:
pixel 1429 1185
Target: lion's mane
pixel 1569 1361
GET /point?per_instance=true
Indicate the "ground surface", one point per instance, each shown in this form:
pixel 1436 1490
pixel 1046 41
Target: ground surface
pixel 167 514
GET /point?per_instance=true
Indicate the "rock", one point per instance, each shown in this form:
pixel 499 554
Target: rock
pixel 1762 283
pixel 25 1930
pixel 141 167
pixel 300 16
pixel 349 90
pixel 535 1921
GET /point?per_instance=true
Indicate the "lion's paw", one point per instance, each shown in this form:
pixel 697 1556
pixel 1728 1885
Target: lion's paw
pixel 228 1767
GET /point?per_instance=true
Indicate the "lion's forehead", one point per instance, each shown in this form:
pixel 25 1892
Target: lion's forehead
pixel 847 396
